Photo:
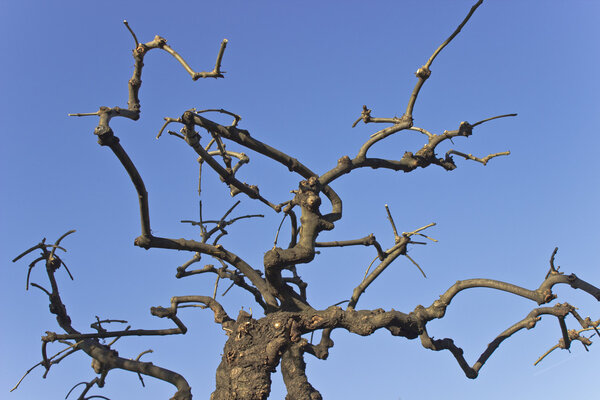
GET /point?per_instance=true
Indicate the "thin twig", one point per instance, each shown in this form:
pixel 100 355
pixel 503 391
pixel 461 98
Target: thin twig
pixel 41 288
pixel 167 122
pixel 236 118
pixel 492 118
pixel 132 34
pixel 227 290
pixel 483 160
pixel 369 268
pixel 545 354
pixel 396 236
pixel 416 265
pixel 216 286
pixel 278 229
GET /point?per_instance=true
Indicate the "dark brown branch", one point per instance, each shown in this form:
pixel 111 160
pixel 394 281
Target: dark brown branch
pixel 573 335
pixel 543 294
pixel 553 270
pixel 221 316
pixel 293 370
pixel 424 72
pixel 559 310
pixel 391 254
pixel 409 161
pixel 243 138
pixel 362 287
pixel 223 273
pixel 220 224
pixel 88 385
pixel 404 123
pixel 366 241
pixel 49 361
pixel 193 139
pixel 41 288
pixel 104 359
pixel 167 122
pixel 365 116
pixel 215 251
pixel 41 245
pixel 236 118
pixel 564 331
pixel 51 336
pixel 57 243
pixel 389 215
pixel 107 138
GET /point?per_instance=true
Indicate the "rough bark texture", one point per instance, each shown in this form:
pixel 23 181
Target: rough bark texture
pixel 256 346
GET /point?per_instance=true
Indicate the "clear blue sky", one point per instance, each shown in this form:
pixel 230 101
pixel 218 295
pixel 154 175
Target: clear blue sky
pixel 298 73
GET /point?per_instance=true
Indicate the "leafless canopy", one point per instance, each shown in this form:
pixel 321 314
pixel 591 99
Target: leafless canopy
pixel 257 345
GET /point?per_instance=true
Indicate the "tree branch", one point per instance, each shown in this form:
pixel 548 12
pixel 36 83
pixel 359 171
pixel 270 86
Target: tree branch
pixel 218 252
pixel 424 72
pixel 104 358
pixel 559 310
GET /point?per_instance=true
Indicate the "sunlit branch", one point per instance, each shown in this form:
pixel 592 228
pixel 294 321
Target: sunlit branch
pixel 483 160
pixel 424 72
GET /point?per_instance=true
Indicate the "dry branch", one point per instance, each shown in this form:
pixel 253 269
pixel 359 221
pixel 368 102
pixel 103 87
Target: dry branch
pixel 256 346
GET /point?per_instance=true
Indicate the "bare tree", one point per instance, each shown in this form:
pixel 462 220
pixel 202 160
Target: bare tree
pixel 278 336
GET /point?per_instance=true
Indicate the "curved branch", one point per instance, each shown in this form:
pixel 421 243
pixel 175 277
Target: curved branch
pixel 242 137
pixel 409 161
pixel 193 139
pixel 424 72
pixel 107 138
pixel 541 295
pixel 559 310
pixel 218 252
pixel 105 358
pixel 221 316
pixel 236 278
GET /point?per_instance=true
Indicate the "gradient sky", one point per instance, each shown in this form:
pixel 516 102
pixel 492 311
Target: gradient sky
pixel 298 73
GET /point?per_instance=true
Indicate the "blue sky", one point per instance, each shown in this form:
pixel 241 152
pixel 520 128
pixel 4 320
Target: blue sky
pixel 298 73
